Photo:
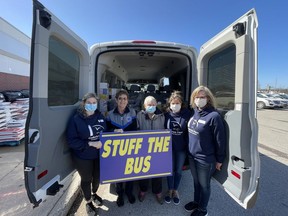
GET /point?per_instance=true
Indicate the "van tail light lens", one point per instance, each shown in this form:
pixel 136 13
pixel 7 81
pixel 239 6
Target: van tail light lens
pixel 144 42
pixel 237 175
pixel 42 174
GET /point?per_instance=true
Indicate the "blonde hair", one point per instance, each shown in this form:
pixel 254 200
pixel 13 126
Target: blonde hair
pixel 210 98
pixel 81 108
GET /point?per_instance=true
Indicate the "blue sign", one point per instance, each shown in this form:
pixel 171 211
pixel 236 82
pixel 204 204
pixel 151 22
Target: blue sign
pixel 135 155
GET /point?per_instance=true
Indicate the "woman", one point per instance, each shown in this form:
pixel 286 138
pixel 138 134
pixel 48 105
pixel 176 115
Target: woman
pixel 122 119
pixel 207 142
pixel 83 133
pixel 176 120
pixel 151 118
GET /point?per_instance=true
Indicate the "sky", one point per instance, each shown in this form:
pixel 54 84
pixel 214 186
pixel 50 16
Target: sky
pixel 191 22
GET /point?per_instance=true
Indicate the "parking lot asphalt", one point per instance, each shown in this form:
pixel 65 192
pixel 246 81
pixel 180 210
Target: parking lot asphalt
pixel 272 198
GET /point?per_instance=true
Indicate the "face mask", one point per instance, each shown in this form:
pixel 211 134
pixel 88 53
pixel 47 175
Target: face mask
pixel 175 107
pixel 200 102
pixel 90 107
pixel 150 109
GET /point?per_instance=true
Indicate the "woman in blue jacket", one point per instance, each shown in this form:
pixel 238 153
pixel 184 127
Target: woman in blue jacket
pixel 176 120
pixel 207 142
pixel 83 133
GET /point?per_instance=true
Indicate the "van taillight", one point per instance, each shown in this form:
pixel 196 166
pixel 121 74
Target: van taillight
pixel 235 174
pixel 42 174
pixel 144 41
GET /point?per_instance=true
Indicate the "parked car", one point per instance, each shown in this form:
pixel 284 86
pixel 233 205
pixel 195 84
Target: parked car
pixel 11 96
pixel 25 93
pixel 2 98
pixel 263 101
pixel 283 102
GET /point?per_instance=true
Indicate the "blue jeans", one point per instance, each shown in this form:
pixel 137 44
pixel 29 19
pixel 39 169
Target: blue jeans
pixel 178 158
pixel 201 173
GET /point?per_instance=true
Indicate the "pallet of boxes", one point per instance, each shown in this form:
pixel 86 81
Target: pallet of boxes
pixel 12 121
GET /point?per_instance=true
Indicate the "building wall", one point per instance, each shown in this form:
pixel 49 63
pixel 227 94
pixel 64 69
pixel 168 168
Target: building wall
pixel 14 57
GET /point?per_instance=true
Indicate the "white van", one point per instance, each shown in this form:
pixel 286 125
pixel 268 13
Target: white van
pixel 63 69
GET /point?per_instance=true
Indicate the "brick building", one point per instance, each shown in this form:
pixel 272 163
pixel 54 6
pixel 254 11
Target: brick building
pixel 14 57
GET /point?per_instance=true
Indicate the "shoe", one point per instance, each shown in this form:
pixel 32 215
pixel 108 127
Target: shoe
pixel 98 198
pixel 168 197
pixel 131 198
pixel 199 212
pixel 175 197
pixel 141 196
pixel 191 206
pixel 90 208
pixel 120 200
pixel 159 198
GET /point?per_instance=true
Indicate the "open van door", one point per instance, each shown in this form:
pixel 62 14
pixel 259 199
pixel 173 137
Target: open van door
pixel 227 65
pixel 59 70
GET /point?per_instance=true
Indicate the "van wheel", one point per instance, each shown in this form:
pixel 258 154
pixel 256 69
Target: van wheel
pixel 260 105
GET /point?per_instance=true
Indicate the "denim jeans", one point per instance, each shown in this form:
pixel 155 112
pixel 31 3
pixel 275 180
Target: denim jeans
pixel 178 158
pixel 201 173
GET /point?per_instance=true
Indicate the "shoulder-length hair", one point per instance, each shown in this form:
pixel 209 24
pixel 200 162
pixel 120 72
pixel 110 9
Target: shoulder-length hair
pixel 210 98
pixel 81 108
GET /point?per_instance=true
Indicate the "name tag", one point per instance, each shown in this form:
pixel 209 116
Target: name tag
pixel 201 121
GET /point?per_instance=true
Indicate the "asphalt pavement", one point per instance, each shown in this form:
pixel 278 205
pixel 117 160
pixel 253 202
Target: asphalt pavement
pixel 272 198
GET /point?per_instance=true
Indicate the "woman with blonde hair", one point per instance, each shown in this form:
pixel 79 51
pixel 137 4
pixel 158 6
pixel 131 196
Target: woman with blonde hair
pixel 207 143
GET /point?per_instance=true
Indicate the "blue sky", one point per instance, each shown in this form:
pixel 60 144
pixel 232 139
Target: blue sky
pixel 190 22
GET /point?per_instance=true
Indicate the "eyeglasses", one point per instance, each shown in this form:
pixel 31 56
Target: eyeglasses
pixel 122 98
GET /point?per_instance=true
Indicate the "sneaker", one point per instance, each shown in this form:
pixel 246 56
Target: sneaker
pixel 141 196
pixel 168 197
pixel 175 196
pixel 159 198
pixel 191 206
pixel 120 201
pixel 131 198
pixel 97 198
pixel 199 212
pixel 90 208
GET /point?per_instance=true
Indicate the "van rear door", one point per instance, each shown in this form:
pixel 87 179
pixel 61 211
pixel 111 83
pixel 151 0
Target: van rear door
pixel 59 67
pixel 227 65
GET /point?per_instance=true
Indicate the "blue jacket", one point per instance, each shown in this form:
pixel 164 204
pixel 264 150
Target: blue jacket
pixel 177 123
pixel 83 129
pixel 207 137
pixel 126 121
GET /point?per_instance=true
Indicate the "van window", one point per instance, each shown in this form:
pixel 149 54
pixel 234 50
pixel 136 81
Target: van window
pixel 63 74
pixel 221 67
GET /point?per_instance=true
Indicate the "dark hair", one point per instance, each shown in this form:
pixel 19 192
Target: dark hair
pixel 121 92
pixel 174 95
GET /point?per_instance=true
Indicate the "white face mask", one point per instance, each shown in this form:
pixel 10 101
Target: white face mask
pixel 200 102
pixel 175 107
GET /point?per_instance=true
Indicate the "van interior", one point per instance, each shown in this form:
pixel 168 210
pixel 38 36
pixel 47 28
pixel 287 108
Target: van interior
pixel 142 73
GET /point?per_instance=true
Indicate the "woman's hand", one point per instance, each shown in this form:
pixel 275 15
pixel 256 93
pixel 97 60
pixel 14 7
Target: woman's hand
pixel 218 166
pixel 95 144
pixel 118 130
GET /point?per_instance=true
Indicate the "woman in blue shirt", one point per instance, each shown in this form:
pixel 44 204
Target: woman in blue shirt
pixel 83 133
pixel 176 120
pixel 207 143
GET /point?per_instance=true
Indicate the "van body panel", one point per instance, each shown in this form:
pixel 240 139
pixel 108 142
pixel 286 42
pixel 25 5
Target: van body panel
pixel 63 70
pixel 242 129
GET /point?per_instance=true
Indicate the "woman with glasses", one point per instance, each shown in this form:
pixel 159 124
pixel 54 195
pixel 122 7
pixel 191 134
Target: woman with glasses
pixel 120 119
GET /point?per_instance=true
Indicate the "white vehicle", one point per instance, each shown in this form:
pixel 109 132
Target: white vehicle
pixel 63 69
pixel 283 101
pixel 263 101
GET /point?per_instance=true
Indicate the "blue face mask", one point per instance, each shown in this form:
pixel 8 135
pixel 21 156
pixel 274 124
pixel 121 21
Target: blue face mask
pixel 150 109
pixel 90 107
